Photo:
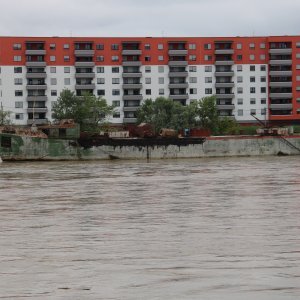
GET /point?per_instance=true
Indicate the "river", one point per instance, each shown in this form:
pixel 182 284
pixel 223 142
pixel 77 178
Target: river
pixel 226 228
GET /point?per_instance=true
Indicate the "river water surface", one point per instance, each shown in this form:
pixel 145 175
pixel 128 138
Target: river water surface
pixel 168 229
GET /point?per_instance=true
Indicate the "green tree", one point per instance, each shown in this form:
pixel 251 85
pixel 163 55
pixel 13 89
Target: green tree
pixel 87 110
pixel 4 117
pixel 208 113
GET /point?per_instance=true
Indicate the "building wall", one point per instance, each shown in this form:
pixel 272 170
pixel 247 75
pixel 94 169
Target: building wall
pixel 201 53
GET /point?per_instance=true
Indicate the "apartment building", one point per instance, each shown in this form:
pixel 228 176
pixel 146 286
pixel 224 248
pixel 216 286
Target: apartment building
pixel 249 75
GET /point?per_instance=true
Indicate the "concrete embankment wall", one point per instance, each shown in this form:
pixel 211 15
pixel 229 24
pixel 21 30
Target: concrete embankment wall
pixel 212 147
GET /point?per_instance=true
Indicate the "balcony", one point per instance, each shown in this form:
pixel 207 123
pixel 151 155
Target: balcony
pixel 132 97
pixel 280 62
pixel 179 97
pixel 280 73
pixel 179 63
pixel 224 62
pixel 225 106
pixel 131 63
pixel 129 120
pixel 224 51
pixel 224 84
pixel 84 53
pixel 38 64
pixel 132 75
pixel 281 51
pixel 36 87
pixel 132 86
pixel 41 75
pixel 224 74
pixel 281 84
pixel 85 64
pixel 37 110
pixel 178 74
pixel 131 108
pixel 36 98
pixel 35 52
pixel 132 52
pixel 183 85
pixel 178 52
pixel 225 96
pixel 85 86
pixel 85 75
pixel 285 106
pixel 281 95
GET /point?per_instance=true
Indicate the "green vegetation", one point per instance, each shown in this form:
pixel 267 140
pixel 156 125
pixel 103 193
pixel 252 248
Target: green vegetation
pixel 87 110
pixel 4 117
pixel 165 113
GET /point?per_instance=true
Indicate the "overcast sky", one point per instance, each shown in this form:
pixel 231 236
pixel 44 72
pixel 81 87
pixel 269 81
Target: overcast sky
pixel 149 17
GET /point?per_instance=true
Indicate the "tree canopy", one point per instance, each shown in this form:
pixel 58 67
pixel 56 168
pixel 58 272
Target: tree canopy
pixel 88 110
pixel 4 117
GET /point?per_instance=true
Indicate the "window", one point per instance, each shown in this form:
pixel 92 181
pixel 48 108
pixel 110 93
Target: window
pixel 66 69
pixel 193 79
pixel 66 58
pixel 208 68
pixel 240 79
pixel 99 46
pixel 147 80
pixel 17 46
pixel 239 68
pixel 263 111
pixel 298 45
pixel 116 103
pixel 297 55
pixel 298 78
pixel 160 57
pixel 192 46
pixel 263 90
pixel 147 47
pixel 252 90
pixel 17 69
pixel 161 80
pixel 17 58
pixel 148 91
pixel 240 112
pixel 240 90
pixel 239 57
pixel 100 69
pixel 115 80
pixel 262 57
pixel 252 101
pixel 207 57
pixel 53 81
pixel 114 47
pixel 67 81
pixel 115 58
pixel 262 46
pixel 208 91
pixel 192 68
pixel 100 81
pixel 161 69
pixel 208 79
pixel 297 67
pixel 252 57
pixel 161 91
pixel 115 92
pixel 160 46
pixel 192 57
pixel 52 46
pixel 18 104
pixel 100 58
pixel 100 92
pixel 253 111
pixel 52 58
pixel 193 91
pixel 147 58
pixel 263 79
pixel 207 46
pixel 115 69
pixel 252 46
pixel 18 81
pixel 239 101
pixel 252 79
pixel 263 101
pixel 52 69
pixel 19 116
pixel 53 92
pixel 252 68
pixel 18 93
pixel 239 46
pixel 53 103
pixel 116 115
pixel 263 68
pixel 66 46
